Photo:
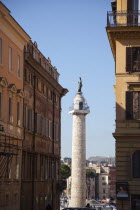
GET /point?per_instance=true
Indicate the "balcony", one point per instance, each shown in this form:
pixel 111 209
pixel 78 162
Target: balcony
pixel 77 108
pixel 123 18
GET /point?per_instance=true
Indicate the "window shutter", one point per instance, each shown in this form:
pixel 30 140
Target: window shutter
pixel 24 116
pixel 129 5
pixel 47 127
pixel 129 105
pixel 136 164
pixel 31 120
pixel 128 59
pixel 135 105
pixel 35 122
pixel 38 123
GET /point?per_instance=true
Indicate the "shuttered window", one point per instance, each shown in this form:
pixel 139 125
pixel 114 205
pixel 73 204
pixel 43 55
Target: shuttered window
pixel 10 117
pixel 18 113
pixel 130 5
pixel 136 164
pixel 133 105
pixel 18 66
pixel 50 129
pixel 43 126
pixel 30 119
pixel 132 59
pixel 46 167
pixel 10 59
pixel 47 127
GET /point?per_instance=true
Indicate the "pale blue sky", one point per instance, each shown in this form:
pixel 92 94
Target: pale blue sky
pixel 72 33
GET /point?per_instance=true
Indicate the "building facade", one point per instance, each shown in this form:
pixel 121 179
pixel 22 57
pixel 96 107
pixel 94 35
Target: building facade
pixel 124 36
pixel 12 41
pixel 42 122
pixel 30 122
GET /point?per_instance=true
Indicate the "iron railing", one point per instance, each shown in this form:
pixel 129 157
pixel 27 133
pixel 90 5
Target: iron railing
pixel 123 18
pixel 86 107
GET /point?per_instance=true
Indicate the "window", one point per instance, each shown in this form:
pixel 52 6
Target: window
pixel 80 105
pixel 8 168
pixel 46 167
pixel 43 126
pixel 50 129
pixel 133 59
pixel 24 120
pixel 103 183
pixel 50 95
pixel 136 164
pixel 0 105
pixel 10 118
pixel 35 159
pixel 47 127
pixel 103 190
pixel 10 59
pixel 18 67
pixel 17 168
pixel 55 127
pixel 103 178
pixel 30 119
pixel 41 166
pixel 0 51
pixel 133 105
pixel 18 113
pixel 43 88
pixel 57 132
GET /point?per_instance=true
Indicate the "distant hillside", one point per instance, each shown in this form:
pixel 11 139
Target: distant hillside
pixel 102 159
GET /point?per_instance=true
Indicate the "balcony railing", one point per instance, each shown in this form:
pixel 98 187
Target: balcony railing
pixel 123 18
pixel 78 108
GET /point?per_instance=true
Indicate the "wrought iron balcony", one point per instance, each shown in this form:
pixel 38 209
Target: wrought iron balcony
pixel 123 18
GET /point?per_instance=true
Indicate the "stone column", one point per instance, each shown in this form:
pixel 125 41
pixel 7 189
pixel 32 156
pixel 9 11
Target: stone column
pixel 78 188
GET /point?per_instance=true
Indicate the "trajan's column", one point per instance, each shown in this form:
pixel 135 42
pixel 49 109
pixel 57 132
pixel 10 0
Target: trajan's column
pixel 79 112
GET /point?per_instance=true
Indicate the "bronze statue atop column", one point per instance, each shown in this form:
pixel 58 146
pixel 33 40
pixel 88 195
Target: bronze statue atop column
pixel 79 85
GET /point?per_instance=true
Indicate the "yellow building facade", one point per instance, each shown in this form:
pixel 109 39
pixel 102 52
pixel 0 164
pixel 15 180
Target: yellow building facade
pixel 123 29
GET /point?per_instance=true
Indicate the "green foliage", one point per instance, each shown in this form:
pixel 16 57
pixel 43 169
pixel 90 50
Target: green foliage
pixel 65 171
pixel 90 174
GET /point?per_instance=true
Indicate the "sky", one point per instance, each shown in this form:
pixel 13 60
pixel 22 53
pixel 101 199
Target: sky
pixel 73 34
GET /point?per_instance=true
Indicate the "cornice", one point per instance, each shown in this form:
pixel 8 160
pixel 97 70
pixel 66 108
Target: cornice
pixel 121 33
pixel 40 70
pixel 13 25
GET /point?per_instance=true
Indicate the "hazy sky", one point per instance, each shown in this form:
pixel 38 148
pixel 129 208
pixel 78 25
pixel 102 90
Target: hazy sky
pixel 72 33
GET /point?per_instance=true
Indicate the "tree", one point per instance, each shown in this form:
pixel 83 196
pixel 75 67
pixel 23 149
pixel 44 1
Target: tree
pixel 90 174
pixel 65 171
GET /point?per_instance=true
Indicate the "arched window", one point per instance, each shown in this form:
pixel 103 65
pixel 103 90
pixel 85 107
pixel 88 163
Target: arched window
pixel 136 164
pixel 80 105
